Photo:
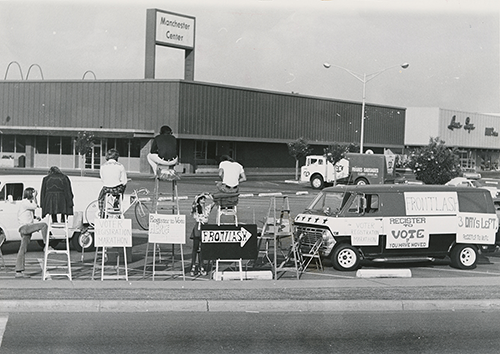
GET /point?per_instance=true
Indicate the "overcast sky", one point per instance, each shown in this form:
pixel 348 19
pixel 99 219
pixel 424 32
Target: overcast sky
pixel 453 46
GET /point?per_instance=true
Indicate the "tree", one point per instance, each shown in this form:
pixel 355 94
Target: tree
pixel 83 144
pixel 298 149
pixel 435 163
pixel 336 152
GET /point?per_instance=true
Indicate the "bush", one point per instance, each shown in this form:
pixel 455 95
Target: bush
pixel 435 163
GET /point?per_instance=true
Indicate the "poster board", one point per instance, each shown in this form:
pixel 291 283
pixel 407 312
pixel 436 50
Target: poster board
pixel 165 228
pixel 229 241
pixel 113 232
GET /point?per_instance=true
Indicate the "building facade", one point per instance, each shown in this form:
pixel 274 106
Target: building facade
pixel 475 135
pixel 39 121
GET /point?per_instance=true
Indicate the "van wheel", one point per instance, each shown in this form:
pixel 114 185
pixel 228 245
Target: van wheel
pixel 317 181
pixel 52 243
pixel 82 240
pixel 361 182
pixel 463 256
pixel 346 258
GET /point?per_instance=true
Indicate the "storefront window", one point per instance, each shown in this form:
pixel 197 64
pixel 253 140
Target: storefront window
pixel 122 147
pixel 8 143
pixel 67 145
pixel 20 143
pixel 41 144
pixel 54 145
pixel 135 148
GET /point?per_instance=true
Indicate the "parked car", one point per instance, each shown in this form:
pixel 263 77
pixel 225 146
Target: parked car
pixel 467 182
pixel 491 184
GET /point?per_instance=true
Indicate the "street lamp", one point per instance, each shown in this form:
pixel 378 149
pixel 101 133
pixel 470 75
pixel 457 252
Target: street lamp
pixel 364 79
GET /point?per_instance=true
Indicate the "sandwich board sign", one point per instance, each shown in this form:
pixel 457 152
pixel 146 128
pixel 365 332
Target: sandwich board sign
pixel 229 241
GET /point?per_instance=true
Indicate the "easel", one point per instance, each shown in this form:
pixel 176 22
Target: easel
pixel 111 212
pixel 227 205
pixel 171 200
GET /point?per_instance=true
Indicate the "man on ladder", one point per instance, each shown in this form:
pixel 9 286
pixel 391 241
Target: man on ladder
pixel 163 152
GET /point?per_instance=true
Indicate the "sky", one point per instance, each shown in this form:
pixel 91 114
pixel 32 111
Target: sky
pixel 452 46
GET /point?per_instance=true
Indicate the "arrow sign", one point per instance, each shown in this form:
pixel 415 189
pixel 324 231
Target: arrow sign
pixel 240 236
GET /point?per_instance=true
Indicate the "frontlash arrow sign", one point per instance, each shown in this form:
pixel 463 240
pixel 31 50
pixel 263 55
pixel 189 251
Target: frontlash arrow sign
pixel 229 241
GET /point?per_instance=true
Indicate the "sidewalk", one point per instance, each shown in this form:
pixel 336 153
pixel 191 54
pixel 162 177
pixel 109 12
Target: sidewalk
pixel 283 295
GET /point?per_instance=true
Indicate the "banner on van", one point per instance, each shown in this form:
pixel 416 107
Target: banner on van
pixel 477 228
pixel 427 203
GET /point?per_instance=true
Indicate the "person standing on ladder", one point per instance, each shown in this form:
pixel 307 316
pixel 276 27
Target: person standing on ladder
pixel 163 150
pixel 114 179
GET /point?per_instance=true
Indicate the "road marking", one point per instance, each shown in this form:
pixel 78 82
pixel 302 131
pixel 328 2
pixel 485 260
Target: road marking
pixel 465 271
pixel 3 325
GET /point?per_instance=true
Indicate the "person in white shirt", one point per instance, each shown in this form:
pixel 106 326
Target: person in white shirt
pixel 26 218
pixel 113 177
pixel 231 174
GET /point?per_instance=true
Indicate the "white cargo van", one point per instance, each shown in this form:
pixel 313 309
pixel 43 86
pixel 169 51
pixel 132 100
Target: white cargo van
pixel 85 190
pixel 400 223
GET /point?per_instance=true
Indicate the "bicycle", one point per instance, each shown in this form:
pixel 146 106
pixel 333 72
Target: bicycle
pixel 141 210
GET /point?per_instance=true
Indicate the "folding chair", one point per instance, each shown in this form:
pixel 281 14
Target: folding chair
pixel 313 254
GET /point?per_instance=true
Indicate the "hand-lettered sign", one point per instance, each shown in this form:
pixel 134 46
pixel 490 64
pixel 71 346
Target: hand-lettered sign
pixel 229 241
pixel 165 228
pixel 113 232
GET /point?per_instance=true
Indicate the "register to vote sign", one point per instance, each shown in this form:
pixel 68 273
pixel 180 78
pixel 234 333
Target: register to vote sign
pixel 164 228
pixel 113 233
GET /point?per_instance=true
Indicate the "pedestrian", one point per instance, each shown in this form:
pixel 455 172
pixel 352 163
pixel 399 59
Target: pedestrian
pixel 200 210
pixel 114 179
pixel 56 195
pixel 27 225
pixel 163 151
pixel 231 174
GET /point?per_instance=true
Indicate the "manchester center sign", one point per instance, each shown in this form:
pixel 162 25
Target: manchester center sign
pixel 173 29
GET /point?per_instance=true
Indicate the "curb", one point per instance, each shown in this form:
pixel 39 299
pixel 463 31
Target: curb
pixel 256 306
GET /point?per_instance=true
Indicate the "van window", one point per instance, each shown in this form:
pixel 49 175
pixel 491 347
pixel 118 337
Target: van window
pixel 355 204
pixel 372 203
pixel 472 202
pixel 14 189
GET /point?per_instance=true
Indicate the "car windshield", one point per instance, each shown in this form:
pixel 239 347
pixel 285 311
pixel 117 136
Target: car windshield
pixel 328 203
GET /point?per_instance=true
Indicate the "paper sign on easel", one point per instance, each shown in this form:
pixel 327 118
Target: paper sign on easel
pixel 113 233
pixel 164 228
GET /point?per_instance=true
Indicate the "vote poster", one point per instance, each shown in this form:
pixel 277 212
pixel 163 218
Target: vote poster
pixel 167 228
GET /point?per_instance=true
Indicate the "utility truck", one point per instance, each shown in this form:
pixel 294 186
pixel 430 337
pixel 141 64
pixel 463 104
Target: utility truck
pixel 354 168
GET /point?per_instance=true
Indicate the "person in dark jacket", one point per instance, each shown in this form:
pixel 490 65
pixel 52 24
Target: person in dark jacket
pixel 163 150
pixel 56 195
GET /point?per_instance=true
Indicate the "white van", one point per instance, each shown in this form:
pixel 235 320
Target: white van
pixel 400 223
pixel 85 191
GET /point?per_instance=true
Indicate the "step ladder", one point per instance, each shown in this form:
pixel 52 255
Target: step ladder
pixel 227 204
pixel 57 229
pixel 112 210
pixel 278 227
pixel 164 200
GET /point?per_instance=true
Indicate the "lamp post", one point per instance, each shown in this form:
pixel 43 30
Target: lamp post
pixel 364 79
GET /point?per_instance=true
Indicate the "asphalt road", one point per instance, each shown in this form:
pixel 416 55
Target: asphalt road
pixel 362 332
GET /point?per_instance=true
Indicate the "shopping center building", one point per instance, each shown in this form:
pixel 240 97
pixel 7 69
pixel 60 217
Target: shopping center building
pixel 475 135
pixel 41 119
